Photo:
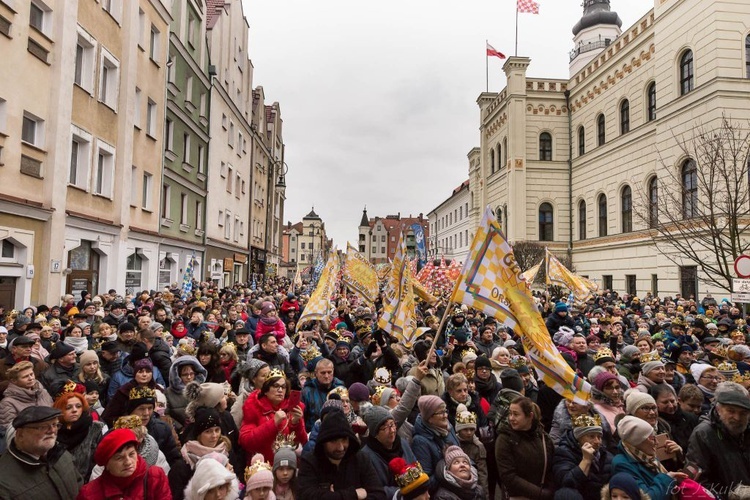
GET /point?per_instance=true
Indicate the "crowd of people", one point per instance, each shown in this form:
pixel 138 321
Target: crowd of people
pixel 218 395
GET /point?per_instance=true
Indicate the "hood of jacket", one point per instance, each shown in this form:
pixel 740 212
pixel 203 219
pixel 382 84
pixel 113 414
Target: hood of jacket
pixel 175 383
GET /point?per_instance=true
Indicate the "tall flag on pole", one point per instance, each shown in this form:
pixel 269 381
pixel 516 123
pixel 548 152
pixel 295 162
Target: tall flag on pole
pixel 492 52
pixel 298 278
pixel 557 274
pixel 491 281
pixel 528 7
pixel 420 243
pixel 530 274
pixel 360 276
pixel 398 316
pixel 187 278
pixel 320 301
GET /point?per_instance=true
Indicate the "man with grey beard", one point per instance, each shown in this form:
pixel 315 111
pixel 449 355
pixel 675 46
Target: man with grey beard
pixel 720 444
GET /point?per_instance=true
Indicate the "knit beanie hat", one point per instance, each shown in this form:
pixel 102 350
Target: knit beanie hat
pixel 601 380
pixel 205 418
pixel 267 308
pixel 284 457
pixel 259 474
pixel 429 405
pixel 143 364
pixel 210 473
pixel 510 379
pixel 464 418
pixel 482 362
pixel 385 396
pixel 87 357
pixel 375 417
pixel 452 453
pixel 359 392
pixel 207 394
pixel 697 369
pixel 336 426
pixel 111 443
pixel 634 430
pixel 250 368
pixel 628 352
pixel 561 307
pixel 623 481
pixel 650 366
pixel 634 399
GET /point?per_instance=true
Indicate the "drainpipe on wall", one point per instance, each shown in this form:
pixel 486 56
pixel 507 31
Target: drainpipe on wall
pixel 570 177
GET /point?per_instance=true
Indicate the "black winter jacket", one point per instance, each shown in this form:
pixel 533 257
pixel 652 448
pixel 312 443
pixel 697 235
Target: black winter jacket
pixel 568 475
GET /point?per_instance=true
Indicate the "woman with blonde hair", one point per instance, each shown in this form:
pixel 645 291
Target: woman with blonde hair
pixel 91 372
pixel 24 390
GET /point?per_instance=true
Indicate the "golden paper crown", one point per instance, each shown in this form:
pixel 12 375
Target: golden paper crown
pixel 256 467
pixel 378 395
pixel 650 356
pixel 737 333
pixel 284 440
pixel 382 376
pixel 342 391
pixel 230 345
pixel 131 422
pixel 518 362
pixel 469 374
pixel 69 386
pixel 740 378
pixel 604 352
pixel 722 352
pixel 275 373
pixel 726 366
pixel 42 319
pixel 187 348
pixel 412 478
pixel 310 353
pixel 587 421
pixel 142 393
pixel 466 417
pixel 740 322
pixel 678 321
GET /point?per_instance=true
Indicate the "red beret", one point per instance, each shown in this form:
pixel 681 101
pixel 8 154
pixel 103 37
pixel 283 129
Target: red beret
pixel 112 443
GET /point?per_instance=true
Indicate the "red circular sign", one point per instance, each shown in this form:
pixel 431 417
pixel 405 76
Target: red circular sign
pixel 742 266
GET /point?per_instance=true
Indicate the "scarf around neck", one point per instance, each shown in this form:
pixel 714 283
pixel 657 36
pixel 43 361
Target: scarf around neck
pixel 649 461
pixel 73 436
pixel 463 484
pixel 192 451
pixel 437 430
pixel 385 453
pixel 80 344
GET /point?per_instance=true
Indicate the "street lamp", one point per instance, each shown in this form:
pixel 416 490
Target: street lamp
pixel 281 182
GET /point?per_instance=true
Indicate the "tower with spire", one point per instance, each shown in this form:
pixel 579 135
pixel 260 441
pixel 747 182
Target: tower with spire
pixel 598 27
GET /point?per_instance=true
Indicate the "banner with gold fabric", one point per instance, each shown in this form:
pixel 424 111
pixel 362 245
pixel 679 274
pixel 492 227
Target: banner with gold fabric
pixel 557 274
pixel 360 276
pixel 398 316
pixel 491 281
pixel 319 305
pixel 530 274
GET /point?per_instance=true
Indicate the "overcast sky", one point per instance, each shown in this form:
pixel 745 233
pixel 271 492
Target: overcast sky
pixel 379 97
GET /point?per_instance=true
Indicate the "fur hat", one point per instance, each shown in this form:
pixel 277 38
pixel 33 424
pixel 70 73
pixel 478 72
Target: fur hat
pixel 633 430
pixel 207 394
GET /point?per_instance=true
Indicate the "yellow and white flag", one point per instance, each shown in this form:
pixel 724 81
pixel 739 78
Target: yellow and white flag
pixel 360 276
pixel 320 301
pixel 297 278
pixel 530 274
pixel 492 282
pixel 398 316
pixel 557 274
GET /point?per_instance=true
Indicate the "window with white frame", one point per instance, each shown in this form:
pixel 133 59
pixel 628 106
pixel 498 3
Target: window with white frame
pixel 231 134
pixel 186 148
pixel 192 25
pixel 32 131
pixel 105 168
pixel 240 142
pixel 236 228
pixel 230 179
pixel 40 16
pixel 137 111
pixel 148 184
pixel 221 218
pixel 154 44
pixel 201 160
pixel 203 104
pixel 183 209
pixel 223 170
pixel 227 225
pixel 3 115
pixel 238 186
pixel 80 157
pixel 199 215
pixel 189 89
pixel 170 135
pixel 151 120
pixel 85 57
pixel 166 208
pixel 141 28
pixel 109 80
pixel 114 7
pixel 133 186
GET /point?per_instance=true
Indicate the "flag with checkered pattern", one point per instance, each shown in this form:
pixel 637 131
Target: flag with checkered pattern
pixel 528 6
pixel 398 316
pixel 319 305
pixel 557 274
pixel 360 277
pixel 491 282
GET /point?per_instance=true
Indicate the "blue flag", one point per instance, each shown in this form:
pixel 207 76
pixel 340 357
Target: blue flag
pixel 419 240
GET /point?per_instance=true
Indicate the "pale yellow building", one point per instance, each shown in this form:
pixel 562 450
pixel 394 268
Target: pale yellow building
pixel 570 162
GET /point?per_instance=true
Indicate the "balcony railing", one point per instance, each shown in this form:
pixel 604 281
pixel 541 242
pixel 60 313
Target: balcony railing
pixel 587 47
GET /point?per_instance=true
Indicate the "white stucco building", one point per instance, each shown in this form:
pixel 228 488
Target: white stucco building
pixel 450 226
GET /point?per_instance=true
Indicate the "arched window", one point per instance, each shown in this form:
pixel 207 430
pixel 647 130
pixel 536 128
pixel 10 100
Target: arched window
pixel 602 208
pixel 545 147
pixel 546 232
pixel 687 76
pixel 499 156
pixel 492 161
pixel 689 189
pixel 626 209
pixel 581 140
pixel 624 117
pixel 747 56
pixel 653 203
pixel 651 92
pixel 505 151
pixel 582 220
pixel 601 131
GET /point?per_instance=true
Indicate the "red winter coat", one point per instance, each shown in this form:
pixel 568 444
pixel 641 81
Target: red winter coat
pixel 259 430
pixel 288 305
pixel 103 488
pixel 278 329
